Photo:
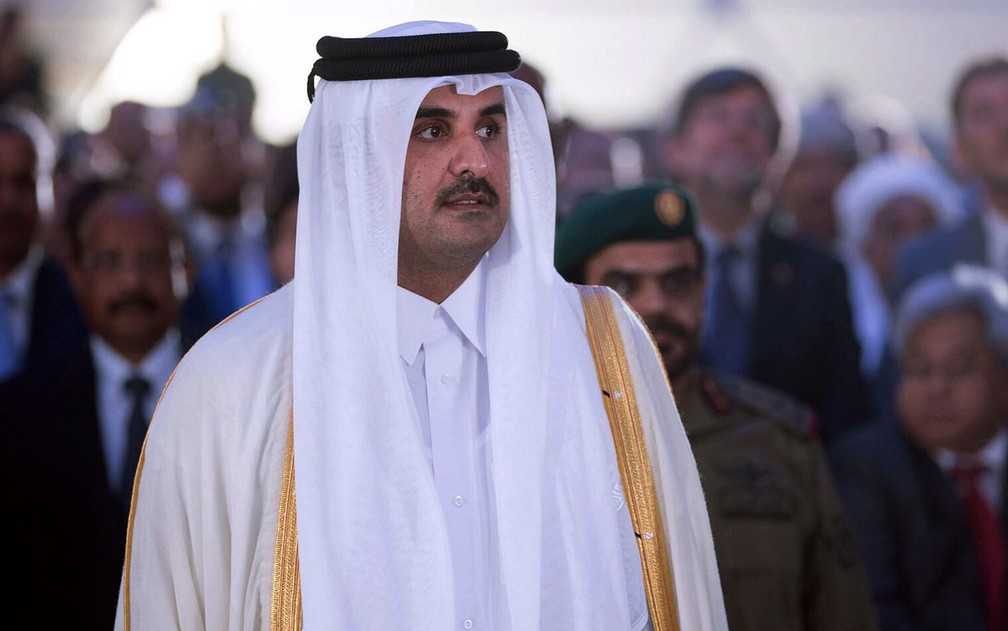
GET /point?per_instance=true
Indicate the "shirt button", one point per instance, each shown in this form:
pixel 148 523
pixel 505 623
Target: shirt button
pixel 458 500
pixel 447 380
pixel 467 624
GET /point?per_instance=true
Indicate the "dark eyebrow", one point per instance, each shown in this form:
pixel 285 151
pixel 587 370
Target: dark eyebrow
pixel 434 112
pixel 497 109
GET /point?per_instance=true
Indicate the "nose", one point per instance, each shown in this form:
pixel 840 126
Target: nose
pixel 469 155
pixel 130 274
pixel 649 298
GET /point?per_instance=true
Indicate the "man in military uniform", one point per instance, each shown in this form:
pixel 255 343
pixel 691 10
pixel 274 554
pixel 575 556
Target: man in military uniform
pixel 787 558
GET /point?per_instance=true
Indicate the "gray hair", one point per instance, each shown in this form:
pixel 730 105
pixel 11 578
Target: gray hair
pixel 965 289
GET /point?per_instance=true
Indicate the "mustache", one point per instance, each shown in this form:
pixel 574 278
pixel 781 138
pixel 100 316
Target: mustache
pixel 661 323
pixel 468 185
pixel 137 299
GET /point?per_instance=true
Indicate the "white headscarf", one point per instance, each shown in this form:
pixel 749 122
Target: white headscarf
pixel 878 181
pixel 373 546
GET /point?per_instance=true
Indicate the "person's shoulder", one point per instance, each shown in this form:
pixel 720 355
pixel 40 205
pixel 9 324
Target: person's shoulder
pixel 252 341
pixel 791 257
pixel 257 326
pixel 752 402
pixel 873 441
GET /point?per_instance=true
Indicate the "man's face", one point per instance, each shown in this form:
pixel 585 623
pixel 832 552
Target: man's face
pixel 131 277
pixel 952 392
pixel 726 143
pixel 662 281
pixel 212 163
pixel 897 222
pixel 807 192
pixel 281 252
pixel 982 130
pixel 18 199
pixel 456 183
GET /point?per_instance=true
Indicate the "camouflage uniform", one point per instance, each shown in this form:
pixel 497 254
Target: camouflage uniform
pixel 787 556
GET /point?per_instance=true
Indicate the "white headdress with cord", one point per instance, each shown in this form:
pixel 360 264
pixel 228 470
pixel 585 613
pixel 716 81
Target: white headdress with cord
pixel 373 548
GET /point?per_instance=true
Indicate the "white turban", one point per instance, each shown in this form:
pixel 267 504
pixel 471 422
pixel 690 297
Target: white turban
pixel 878 181
pixel 373 544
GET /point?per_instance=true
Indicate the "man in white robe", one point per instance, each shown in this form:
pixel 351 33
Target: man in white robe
pixel 424 388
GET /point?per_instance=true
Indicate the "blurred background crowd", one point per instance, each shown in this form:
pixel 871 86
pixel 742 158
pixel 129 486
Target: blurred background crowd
pixel 831 231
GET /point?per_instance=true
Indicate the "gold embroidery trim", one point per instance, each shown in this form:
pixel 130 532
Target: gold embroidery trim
pixel 620 402
pixel 136 482
pixel 285 602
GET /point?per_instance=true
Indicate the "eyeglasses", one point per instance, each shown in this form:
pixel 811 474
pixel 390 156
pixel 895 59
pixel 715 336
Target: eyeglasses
pixel 957 369
pixel 758 120
pixel 110 263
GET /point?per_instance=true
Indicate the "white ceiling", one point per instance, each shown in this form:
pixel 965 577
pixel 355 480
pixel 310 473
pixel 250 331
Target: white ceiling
pixel 608 63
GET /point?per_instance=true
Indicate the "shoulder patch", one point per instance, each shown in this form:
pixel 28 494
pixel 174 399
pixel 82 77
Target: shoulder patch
pixel 766 403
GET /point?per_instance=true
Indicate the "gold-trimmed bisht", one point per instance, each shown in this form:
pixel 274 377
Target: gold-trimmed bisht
pixel 620 402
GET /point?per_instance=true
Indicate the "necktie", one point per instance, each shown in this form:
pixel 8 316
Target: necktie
pixel 989 539
pixel 726 335
pixel 220 273
pixel 138 389
pixel 8 347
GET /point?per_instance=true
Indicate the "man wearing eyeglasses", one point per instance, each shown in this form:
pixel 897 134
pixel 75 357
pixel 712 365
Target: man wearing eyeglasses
pixel 927 490
pixel 785 554
pixel 73 435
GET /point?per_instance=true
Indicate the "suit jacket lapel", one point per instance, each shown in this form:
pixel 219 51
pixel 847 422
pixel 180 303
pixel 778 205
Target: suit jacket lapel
pixel 950 536
pixel 969 240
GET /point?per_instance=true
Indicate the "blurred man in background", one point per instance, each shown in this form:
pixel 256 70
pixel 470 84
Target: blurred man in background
pixel 778 311
pixel 786 555
pixel 927 492
pixel 980 120
pixel 73 433
pixel 38 315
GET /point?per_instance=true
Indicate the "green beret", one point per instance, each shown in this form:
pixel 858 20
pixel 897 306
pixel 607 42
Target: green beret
pixel 658 211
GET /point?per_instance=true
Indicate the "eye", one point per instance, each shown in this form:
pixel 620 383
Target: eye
pixel 490 130
pixel 680 282
pixel 623 284
pixel 430 132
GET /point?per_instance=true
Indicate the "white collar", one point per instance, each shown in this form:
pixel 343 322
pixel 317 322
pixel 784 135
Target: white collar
pixel 465 306
pixel 746 241
pixel 19 282
pixel 156 367
pixel 992 456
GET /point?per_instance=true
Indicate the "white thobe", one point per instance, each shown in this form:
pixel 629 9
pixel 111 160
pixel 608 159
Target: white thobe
pixel 444 358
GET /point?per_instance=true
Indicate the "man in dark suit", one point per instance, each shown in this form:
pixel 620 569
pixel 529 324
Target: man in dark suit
pixel 980 118
pixel 778 310
pixel 74 431
pixel 928 493
pixel 38 315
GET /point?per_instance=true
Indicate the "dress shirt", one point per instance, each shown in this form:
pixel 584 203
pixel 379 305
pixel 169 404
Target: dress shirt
pixel 20 284
pixel 115 403
pixel 996 232
pixel 250 275
pixel 743 274
pixel 443 350
pixel 992 458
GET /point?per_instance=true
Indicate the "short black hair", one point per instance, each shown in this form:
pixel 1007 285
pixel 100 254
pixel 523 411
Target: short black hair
pixel 85 198
pixel 717 83
pixel 979 69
